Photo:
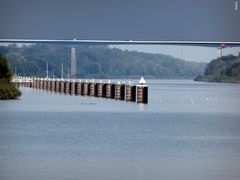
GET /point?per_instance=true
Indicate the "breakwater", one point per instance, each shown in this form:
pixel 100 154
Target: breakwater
pixel 112 90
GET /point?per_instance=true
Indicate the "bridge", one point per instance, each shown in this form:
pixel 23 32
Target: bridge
pixel 121 91
pixel 76 42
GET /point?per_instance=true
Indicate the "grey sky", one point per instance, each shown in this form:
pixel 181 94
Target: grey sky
pixel 210 20
pixel 120 19
pixel 194 53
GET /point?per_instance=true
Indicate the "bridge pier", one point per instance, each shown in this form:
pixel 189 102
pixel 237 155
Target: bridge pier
pixel 73 62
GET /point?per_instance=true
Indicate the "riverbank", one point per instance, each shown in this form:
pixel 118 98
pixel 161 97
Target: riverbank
pixel 218 79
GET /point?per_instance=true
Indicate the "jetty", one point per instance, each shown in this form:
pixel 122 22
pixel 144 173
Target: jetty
pixel 112 90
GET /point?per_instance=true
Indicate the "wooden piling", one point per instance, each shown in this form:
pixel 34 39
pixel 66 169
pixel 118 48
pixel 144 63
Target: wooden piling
pixel 37 83
pixel 73 87
pixel 93 88
pixel 61 87
pixel 130 92
pixel 119 91
pixel 34 82
pixel 79 87
pixel 48 84
pixel 142 91
pixel 109 90
pixel 41 84
pixel 100 89
pixel 142 94
pixel 52 88
pixel 44 84
pixel 57 83
pixel 86 88
pixel 66 86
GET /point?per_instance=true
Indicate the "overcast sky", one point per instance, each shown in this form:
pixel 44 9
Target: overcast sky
pixel 189 53
pixel 210 20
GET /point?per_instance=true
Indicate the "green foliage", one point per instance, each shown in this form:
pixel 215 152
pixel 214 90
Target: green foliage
pixel 7 89
pixel 4 69
pixel 98 62
pixel 226 69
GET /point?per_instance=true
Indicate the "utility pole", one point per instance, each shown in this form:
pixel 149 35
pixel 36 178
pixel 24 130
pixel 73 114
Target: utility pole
pixel 53 73
pixel 15 69
pixel 68 74
pixel 47 70
pixel 62 72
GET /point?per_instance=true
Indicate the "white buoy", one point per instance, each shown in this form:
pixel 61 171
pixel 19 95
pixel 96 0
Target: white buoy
pixel 142 81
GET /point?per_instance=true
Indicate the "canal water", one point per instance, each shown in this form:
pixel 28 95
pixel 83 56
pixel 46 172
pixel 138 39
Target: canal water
pixel 188 130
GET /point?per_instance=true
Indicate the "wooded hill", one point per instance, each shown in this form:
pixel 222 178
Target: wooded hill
pixel 98 62
pixel 225 69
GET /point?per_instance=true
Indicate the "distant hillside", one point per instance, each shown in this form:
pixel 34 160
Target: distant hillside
pixel 98 62
pixel 226 69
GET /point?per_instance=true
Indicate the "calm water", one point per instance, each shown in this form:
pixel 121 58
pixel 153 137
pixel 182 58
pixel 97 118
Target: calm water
pixel 188 130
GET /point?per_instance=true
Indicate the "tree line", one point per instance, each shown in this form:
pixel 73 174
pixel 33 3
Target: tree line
pixel 97 62
pixel 225 69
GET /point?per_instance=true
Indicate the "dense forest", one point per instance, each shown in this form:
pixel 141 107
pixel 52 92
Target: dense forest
pixel 225 69
pixel 97 62
pixel 7 88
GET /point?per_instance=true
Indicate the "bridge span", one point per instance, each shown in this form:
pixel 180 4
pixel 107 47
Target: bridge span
pixel 78 42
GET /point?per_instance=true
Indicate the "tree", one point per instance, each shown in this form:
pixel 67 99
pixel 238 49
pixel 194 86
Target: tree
pixel 5 72
pixel 7 88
